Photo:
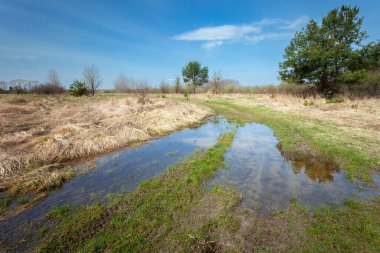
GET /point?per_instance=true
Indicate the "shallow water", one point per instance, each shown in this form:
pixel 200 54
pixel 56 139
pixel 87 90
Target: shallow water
pixel 256 168
pixel 120 171
pixel 267 181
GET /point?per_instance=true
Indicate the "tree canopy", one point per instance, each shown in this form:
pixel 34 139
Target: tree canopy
pixel 193 74
pixel 326 53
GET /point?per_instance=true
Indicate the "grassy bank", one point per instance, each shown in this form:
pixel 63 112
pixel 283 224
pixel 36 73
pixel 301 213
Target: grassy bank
pixel 173 212
pixel 356 155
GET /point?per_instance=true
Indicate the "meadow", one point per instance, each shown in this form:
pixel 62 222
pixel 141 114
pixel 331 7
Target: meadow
pixel 177 211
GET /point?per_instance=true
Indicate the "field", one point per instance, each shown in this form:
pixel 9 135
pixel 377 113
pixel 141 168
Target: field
pixel 177 211
pixel 40 136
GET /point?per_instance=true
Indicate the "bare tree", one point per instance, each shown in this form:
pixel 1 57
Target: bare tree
pixel 92 78
pixel 177 85
pixel 122 84
pixel 3 85
pixel 53 78
pixel 164 87
pixel 216 82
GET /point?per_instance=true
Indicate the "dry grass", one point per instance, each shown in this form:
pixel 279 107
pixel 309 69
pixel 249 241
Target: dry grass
pixel 362 113
pixel 359 119
pixel 37 131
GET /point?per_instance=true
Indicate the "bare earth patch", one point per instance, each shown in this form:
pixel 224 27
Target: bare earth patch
pixel 38 131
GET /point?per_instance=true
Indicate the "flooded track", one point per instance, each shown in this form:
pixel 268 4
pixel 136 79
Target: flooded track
pixel 256 168
pixel 268 180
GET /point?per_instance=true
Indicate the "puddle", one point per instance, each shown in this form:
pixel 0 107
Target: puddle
pixel 256 168
pixel 268 181
pixel 113 173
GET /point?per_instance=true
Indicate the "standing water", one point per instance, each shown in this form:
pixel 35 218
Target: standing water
pixel 256 168
pixel 121 171
pixel 268 181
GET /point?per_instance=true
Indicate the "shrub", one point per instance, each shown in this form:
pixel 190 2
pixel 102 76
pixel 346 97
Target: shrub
pixel 335 99
pixel 78 88
pixel 47 89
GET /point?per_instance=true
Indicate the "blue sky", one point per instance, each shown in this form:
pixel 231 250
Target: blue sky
pixel 152 39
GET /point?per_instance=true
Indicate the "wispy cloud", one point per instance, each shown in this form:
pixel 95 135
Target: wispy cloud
pixel 212 44
pixel 219 33
pixel 214 36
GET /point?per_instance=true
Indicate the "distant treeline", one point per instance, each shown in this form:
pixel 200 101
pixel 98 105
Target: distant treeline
pixel 21 86
pixel 213 87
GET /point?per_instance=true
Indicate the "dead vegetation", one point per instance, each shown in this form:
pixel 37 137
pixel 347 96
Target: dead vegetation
pixel 39 131
pixel 360 117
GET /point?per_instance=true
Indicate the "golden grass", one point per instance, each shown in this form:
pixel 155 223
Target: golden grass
pixel 361 113
pixel 42 130
pixel 356 119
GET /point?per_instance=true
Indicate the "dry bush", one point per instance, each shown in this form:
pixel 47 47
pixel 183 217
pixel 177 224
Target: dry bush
pixel 47 89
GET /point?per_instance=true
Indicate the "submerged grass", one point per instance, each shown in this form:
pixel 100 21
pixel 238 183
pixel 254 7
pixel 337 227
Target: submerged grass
pixel 356 155
pixel 173 212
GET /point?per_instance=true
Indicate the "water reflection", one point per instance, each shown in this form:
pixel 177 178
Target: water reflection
pixel 120 171
pixel 266 179
pixel 317 167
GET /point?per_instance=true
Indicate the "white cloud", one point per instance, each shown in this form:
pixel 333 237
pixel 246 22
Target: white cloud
pixel 212 44
pixel 218 33
pixel 214 36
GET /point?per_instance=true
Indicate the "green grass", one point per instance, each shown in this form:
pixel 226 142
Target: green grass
pixel 5 201
pixel 162 214
pixel 353 229
pixel 23 200
pixel 356 155
pixel 59 212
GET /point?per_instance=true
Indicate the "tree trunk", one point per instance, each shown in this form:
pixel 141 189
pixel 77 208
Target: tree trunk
pixel 323 86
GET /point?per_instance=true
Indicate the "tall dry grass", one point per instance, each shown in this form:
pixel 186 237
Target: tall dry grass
pixel 38 131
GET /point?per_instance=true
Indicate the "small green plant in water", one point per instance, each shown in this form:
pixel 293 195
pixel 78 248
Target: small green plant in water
pixel 59 212
pixel 5 201
pixel 293 199
pixel 23 200
pixel 171 154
